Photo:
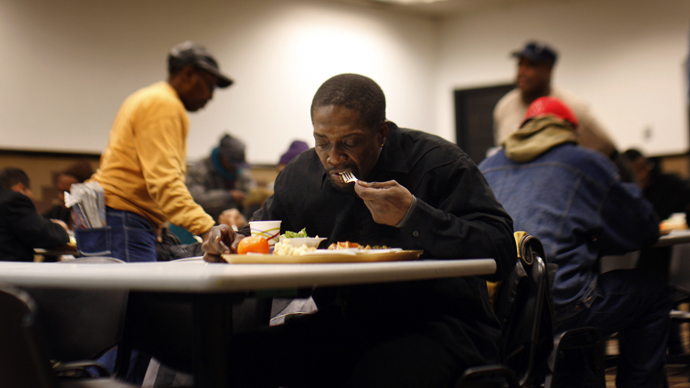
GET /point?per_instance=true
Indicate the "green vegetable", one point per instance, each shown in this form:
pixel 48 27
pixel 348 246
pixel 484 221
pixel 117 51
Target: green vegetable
pixel 301 233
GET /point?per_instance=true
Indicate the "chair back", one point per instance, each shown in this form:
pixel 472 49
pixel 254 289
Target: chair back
pixel 525 309
pixel 23 361
pixel 80 325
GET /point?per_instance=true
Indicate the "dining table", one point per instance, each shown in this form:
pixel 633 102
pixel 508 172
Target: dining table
pixel 212 288
pixel 674 237
pixel 677 239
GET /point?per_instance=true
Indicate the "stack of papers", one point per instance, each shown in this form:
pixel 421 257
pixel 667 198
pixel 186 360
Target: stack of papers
pixel 87 201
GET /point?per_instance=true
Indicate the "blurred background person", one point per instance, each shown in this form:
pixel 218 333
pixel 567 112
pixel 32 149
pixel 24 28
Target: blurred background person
pixel 76 173
pixel 222 180
pixel 296 148
pixel 668 193
pixel 574 201
pixel 536 63
pixel 21 228
pixel 233 218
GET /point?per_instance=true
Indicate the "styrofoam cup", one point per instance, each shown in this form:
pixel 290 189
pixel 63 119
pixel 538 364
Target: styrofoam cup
pixel 270 230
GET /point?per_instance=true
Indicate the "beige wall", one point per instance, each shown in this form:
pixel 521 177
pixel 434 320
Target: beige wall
pixel 625 57
pixel 73 62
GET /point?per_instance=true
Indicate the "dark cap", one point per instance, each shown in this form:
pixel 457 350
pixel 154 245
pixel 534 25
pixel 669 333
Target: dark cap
pixel 296 148
pixel 537 52
pixel 232 150
pixel 191 53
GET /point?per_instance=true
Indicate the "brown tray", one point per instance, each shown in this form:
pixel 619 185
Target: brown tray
pixel 332 256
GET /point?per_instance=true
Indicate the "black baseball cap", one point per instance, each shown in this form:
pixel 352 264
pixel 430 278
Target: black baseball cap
pixel 537 52
pixel 191 53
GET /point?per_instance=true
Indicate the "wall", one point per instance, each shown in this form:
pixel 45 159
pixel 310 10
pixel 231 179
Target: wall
pixel 68 65
pixel 626 57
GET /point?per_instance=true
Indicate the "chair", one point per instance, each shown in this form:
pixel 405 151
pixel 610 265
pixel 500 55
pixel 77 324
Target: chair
pixel 71 327
pixel 679 267
pixel 523 305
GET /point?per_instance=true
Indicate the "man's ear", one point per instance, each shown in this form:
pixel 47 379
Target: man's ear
pixel 384 129
pixel 188 73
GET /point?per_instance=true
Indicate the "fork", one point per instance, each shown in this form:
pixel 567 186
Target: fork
pixel 348 177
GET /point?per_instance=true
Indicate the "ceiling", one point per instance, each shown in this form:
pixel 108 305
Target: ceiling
pixel 444 8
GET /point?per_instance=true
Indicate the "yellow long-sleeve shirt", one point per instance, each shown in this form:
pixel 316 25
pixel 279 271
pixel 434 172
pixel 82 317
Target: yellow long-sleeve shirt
pixel 142 170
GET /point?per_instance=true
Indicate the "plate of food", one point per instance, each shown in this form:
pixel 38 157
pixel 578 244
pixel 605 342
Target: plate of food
pixel 342 252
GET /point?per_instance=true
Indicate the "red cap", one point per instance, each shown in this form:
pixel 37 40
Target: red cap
pixel 553 106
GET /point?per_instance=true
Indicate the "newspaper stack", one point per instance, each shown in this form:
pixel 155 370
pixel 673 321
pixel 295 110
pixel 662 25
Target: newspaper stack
pixel 87 201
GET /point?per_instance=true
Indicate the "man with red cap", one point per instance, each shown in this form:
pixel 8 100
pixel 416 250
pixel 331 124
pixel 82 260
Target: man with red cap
pixel 574 201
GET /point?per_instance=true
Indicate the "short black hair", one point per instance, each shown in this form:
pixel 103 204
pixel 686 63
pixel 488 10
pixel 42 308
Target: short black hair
pixel 633 154
pixel 10 176
pixel 356 92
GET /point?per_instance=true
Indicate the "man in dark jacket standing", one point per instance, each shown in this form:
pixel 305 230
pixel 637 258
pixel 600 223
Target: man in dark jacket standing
pixel 21 228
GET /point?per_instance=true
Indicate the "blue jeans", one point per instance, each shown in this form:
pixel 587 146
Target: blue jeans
pixel 131 238
pixel 127 236
pixel 635 304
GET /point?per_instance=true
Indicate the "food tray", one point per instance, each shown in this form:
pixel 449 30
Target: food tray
pixel 327 256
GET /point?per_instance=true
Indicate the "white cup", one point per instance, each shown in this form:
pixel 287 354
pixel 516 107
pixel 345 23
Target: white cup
pixel 270 230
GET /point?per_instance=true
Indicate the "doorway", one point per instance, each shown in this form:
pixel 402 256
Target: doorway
pixel 474 118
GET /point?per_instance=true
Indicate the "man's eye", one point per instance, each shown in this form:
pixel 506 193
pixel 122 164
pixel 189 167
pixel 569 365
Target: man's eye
pixel 321 145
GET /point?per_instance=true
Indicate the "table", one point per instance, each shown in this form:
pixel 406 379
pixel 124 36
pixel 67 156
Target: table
pixel 211 284
pixel 67 250
pixel 674 238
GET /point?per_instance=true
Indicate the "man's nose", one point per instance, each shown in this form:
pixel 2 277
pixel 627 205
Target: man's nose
pixel 335 156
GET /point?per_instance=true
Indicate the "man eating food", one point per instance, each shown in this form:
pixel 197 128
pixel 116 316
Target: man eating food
pixel 414 191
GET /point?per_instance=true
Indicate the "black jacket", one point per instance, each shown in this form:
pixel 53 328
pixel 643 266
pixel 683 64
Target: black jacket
pixel 22 229
pixel 456 217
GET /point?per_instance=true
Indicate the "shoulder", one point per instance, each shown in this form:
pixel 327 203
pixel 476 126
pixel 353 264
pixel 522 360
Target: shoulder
pixel 417 145
pixel 577 104
pixel 14 200
pixel 305 167
pixel 157 96
pixel 592 165
pixel 510 98
pixel 497 160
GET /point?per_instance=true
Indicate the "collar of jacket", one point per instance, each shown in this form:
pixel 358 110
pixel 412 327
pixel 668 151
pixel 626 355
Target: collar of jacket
pixel 538 136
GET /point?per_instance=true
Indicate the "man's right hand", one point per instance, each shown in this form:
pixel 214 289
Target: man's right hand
pixel 221 239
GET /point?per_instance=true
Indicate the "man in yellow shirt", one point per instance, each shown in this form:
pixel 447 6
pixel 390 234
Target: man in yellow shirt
pixel 142 170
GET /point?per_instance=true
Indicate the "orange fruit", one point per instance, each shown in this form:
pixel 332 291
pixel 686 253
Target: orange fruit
pixel 253 244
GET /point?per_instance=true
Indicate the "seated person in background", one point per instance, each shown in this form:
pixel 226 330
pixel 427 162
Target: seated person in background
pixel 417 191
pixel 233 218
pixel 669 194
pixel 573 200
pixel 76 173
pixel 21 228
pixel 296 148
pixel 221 181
